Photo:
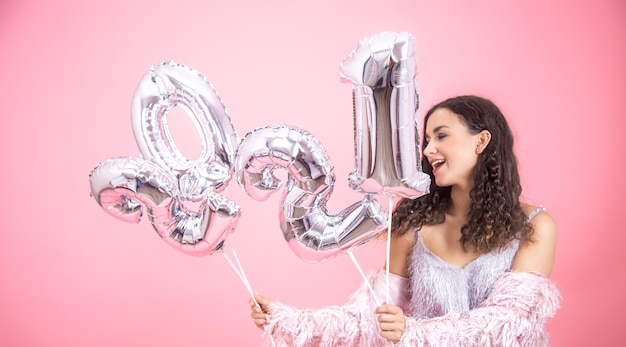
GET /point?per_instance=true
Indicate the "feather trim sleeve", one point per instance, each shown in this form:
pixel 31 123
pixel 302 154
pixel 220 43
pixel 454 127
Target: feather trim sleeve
pixel 353 324
pixel 514 314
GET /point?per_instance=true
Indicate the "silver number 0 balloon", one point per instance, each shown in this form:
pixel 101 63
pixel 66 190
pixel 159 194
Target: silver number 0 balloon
pixel 180 196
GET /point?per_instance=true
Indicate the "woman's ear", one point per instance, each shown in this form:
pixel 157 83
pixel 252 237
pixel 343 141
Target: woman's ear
pixel 483 140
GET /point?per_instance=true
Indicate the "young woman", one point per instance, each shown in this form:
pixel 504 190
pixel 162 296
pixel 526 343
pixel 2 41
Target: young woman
pixel 469 262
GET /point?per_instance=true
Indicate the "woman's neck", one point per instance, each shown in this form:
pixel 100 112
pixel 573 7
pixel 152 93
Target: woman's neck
pixel 461 201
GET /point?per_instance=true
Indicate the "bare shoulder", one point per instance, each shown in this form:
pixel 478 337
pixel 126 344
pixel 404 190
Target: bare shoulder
pixel 537 253
pixel 400 251
pixel 543 224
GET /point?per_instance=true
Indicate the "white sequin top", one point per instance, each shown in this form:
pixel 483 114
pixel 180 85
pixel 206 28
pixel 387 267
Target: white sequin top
pixel 437 288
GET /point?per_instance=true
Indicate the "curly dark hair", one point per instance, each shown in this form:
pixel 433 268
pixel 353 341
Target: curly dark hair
pixel 496 216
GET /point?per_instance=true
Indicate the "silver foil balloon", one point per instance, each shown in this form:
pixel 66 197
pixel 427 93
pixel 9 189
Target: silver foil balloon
pixel 168 85
pixel 383 69
pixel 179 196
pixel 310 230
pixel 129 188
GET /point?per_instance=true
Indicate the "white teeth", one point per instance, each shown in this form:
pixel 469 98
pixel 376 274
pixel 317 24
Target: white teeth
pixel 437 163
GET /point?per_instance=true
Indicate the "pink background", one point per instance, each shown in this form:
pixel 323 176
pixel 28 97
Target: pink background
pixel 71 275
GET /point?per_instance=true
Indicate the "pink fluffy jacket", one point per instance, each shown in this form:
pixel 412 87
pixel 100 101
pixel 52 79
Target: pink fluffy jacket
pixel 514 314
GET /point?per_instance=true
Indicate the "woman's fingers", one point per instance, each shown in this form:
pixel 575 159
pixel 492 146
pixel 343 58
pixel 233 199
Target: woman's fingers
pixel 263 301
pixel 259 307
pixel 259 317
pixel 391 321
pixel 387 308
pixel 392 331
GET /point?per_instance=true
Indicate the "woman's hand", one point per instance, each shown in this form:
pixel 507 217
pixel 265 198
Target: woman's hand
pixel 260 314
pixel 392 322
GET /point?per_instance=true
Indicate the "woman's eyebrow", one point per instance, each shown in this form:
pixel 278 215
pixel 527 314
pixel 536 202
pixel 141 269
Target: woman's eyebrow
pixel 436 130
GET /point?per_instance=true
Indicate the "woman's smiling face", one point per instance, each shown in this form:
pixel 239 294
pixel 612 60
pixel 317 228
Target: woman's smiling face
pixel 451 149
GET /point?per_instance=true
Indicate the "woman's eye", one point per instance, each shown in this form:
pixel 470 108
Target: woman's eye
pixel 441 136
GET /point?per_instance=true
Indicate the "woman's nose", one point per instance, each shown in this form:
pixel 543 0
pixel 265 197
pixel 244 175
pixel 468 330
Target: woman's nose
pixel 429 149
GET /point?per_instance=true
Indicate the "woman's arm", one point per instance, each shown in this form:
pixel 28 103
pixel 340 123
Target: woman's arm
pixel 391 318
pixel 353 324
pixel 514 315
pixel 399 251
pixel 537 253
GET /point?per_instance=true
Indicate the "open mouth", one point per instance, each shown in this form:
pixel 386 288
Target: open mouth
pixel 437 164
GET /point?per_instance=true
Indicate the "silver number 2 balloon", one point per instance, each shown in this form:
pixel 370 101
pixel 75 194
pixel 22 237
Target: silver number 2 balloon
pixel 309 229
pixel 180 196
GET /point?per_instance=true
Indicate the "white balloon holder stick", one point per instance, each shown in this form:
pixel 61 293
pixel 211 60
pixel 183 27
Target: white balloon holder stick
pixel 388 244
pixel 365 279
pixel 242 275
pixel 356 263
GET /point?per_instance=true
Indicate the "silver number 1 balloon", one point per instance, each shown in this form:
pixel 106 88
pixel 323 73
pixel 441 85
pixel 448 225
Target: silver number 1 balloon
pixel 383 70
